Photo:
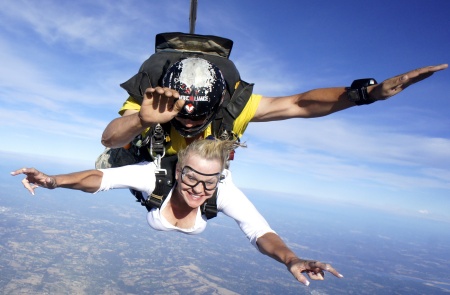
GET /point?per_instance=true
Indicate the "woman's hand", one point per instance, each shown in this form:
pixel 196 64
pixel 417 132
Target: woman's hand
pixel 35 179
pixel 314 269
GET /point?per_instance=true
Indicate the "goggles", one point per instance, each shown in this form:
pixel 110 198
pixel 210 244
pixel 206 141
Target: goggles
pixel 190 177
pixel 192 131
pixel 201 118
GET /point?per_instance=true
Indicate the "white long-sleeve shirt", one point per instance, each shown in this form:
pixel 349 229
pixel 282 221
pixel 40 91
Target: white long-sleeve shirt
pixel 230 200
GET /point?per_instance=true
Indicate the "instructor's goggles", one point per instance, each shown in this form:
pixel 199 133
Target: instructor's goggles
pixel 190 177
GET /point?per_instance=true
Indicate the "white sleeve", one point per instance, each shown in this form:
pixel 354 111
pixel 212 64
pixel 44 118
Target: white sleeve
pixel 140 177
pixel 233 203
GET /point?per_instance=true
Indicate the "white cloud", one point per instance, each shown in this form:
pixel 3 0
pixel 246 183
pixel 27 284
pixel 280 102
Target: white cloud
pixel 35 122
pixel 360 142
pixel 334 150
pixel 97 26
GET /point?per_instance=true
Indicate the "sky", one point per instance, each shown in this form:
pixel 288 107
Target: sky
pixel 62 63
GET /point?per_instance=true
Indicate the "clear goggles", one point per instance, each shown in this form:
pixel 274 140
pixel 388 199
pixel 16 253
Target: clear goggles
pixel 192 178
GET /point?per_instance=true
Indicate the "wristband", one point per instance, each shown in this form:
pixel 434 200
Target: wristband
pixel 357 92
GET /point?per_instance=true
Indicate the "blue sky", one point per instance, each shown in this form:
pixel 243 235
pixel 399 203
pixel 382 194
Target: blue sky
pixel 62 63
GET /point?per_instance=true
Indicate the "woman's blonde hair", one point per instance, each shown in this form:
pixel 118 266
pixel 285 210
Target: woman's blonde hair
pixel 209 149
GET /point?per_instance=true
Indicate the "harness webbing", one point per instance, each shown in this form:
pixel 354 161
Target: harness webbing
pixel 158 195
pixel 209 207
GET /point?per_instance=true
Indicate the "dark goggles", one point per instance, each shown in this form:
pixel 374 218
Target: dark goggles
pixel 194 118
pixel 192 131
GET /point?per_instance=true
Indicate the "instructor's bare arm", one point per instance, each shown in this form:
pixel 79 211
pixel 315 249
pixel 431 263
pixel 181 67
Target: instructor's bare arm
pixel 122 130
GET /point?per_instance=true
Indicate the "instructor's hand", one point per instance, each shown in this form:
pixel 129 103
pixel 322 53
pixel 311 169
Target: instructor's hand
pixel 160 105
pixel 395 85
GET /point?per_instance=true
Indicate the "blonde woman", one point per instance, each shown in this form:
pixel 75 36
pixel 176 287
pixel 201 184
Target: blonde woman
pixel 199 173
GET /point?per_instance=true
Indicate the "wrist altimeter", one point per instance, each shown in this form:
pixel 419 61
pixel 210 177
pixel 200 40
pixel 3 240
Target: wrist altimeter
pixel 357 92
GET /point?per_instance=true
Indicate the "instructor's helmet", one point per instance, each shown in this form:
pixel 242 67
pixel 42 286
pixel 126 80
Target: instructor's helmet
pixel 202 85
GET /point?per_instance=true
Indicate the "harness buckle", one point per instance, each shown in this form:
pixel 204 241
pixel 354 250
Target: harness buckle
pixel 157 149
pixel 159 171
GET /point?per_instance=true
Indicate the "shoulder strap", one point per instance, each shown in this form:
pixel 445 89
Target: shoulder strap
pixel 209 207
pixel 164 183
pixel 222 125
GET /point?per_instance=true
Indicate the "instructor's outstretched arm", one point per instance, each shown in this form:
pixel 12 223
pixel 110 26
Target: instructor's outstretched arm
pixel 324 101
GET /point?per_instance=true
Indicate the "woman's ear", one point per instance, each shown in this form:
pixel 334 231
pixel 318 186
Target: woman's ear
pixel 177 171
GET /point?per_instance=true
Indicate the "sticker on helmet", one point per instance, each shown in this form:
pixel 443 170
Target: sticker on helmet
pixel 193 97
pixel 189 108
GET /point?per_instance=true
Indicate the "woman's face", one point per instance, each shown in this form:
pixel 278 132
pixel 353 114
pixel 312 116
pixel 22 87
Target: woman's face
pixel 197 180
